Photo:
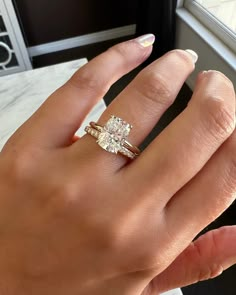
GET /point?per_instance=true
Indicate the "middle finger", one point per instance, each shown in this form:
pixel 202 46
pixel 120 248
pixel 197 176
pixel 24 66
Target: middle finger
pixel 185 146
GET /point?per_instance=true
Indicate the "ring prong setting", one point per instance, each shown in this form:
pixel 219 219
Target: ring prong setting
pixel 113 135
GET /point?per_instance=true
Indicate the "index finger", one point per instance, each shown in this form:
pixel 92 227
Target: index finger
pixel 62 114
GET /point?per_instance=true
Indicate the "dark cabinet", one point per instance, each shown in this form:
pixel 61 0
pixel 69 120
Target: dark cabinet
pixel 47 21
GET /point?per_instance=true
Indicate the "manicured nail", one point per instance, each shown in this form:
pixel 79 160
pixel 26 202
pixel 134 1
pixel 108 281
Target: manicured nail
pixel 146 40
pixel 193 55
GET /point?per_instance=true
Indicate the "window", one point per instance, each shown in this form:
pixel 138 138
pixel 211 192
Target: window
pixel 206 27
pixel 223 10
pixel 219 16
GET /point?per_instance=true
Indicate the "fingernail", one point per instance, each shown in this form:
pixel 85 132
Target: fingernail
pixel 146 40
pixel 203 73
pixel 193 55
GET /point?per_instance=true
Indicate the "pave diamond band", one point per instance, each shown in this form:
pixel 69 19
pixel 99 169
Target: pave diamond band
pixel 113 137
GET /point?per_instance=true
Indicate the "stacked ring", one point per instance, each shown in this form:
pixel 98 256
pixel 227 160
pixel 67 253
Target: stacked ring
pixel 113 137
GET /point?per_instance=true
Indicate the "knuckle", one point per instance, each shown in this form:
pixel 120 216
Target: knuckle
pixel 67 193
pixel 87 80
pixel 153 87
pixel 122 49
pixel 204 271
pixel 214 237
pixel 210 272
pixel 111 238
pixel 214 268
pixel 111 234
pixel 221 78
pixel 128 53
pixel 21 167
pixel 105 233
pixel 64 197
pixel 220 119
pixel 230 171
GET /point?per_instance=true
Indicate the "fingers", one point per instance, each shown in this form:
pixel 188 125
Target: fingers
pixel 203 259
pixel 208 194
pixel 185 146
pixel 61 115
pixel 144 101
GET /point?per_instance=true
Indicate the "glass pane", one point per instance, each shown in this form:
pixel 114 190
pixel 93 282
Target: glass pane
pixel 4 54
pixel 224 10
pixel 7 57
pixel 2 26
pixel 6 40
pixel 13 62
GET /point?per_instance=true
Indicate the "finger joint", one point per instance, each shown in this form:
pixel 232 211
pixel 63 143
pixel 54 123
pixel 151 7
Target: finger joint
pixel 155 89
pixel 220 119
pixel 84 79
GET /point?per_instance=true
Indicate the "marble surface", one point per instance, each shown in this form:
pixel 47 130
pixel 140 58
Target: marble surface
pixel 173 292
pixel 21 94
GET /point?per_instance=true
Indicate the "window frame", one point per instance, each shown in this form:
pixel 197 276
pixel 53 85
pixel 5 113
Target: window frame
pixel 213 53
pixel 212 23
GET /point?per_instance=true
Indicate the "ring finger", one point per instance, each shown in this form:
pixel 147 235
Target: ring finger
pixel 144 101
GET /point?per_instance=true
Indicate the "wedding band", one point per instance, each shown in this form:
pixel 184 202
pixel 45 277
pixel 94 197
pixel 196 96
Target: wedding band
pixel 113 137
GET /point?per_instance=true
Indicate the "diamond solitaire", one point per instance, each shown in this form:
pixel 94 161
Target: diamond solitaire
pixel 114 134
pixel 113 137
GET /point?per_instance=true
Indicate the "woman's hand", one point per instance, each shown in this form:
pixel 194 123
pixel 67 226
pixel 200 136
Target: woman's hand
pixel 75 219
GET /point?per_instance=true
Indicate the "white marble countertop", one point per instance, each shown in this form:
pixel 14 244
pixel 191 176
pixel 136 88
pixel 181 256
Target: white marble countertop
pixel 21 94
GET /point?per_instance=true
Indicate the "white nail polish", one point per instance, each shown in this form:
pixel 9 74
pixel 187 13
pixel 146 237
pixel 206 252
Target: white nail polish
pixel 146 40
pixel 193 54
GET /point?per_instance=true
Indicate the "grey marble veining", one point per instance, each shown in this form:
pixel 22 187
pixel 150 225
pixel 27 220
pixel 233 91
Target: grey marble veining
pixel 21 94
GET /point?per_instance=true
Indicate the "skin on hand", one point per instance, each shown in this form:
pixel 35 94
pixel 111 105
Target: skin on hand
pixel 77 220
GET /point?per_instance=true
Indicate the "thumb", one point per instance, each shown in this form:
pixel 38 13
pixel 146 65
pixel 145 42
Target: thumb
pixel 203 259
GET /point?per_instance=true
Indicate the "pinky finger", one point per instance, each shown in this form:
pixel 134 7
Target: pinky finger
pixel 203 259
